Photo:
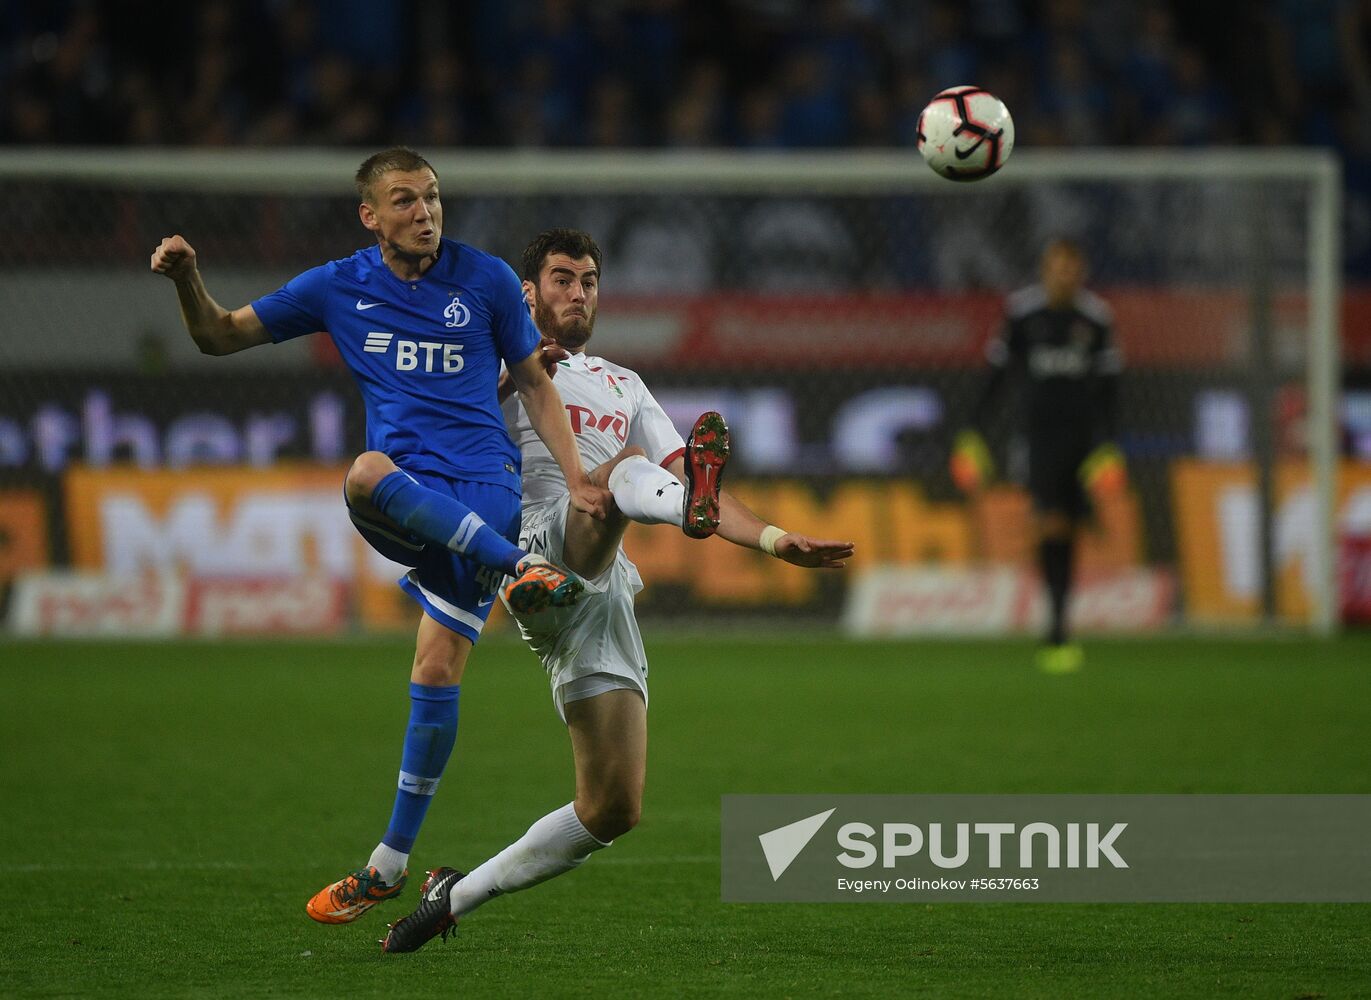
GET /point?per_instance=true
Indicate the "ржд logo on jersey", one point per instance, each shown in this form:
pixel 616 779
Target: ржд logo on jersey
pixel 457 314
pixel 584 418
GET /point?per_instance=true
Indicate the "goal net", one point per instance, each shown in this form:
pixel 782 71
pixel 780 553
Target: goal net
pixel 835 308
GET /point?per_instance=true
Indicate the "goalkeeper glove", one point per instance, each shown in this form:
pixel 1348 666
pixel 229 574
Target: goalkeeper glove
pixel 1103 473
pixel 971 465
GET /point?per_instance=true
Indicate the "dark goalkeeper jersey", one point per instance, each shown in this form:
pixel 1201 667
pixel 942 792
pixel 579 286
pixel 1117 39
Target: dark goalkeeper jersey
pixel 1068 361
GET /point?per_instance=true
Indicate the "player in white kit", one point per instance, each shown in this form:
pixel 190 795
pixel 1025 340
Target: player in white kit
pixel 593 652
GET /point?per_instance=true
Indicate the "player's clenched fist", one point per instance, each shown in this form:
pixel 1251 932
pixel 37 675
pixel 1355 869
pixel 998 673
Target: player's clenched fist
pixel 174 257
pixel 549 353
pixel 591 499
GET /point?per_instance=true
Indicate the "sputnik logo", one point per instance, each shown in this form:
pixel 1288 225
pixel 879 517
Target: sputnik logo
pixel 784 844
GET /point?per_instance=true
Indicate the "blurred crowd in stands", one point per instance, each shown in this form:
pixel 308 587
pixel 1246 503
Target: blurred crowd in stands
pixel 679 73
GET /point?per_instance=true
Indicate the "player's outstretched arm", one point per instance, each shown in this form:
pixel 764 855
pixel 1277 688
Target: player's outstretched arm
pixel 739 525
pixel 548 416
pixel 214 329
pixel 812 553
pixel 549 353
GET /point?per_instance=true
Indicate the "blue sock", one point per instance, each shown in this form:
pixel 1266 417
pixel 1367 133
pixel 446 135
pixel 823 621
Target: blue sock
pixel 444 521
pixel 428 745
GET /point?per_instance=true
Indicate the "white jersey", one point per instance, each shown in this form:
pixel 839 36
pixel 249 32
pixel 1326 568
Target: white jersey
pixel 609 408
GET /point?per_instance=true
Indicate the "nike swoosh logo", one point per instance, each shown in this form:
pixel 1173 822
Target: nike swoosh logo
pixel 364 306
pixel 486 603
pixel 435 894
pixel 962 154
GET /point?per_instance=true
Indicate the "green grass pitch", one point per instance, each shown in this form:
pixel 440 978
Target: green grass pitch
pixel 166 810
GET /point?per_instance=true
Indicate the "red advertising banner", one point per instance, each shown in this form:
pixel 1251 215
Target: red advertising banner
pixel 1167 328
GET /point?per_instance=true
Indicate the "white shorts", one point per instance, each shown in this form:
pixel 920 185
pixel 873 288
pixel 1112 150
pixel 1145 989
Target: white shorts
pixel 595 645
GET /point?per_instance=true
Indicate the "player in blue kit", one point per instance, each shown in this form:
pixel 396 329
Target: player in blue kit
pixel 424 323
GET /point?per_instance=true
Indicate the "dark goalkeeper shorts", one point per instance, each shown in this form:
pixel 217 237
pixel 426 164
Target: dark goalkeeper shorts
pixel 1054 464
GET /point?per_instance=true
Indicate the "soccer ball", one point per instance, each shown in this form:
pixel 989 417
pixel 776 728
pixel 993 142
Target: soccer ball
pixel 965 133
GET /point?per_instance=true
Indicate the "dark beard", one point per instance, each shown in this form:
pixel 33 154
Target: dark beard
pixel 573 334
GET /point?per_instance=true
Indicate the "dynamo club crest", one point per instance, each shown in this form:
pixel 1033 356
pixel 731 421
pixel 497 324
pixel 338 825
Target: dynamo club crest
pixel 457 314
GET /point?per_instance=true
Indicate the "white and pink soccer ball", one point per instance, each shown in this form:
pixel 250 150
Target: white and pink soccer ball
pixel 965 133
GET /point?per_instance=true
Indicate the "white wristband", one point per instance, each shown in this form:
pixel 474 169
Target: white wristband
pixel 770 536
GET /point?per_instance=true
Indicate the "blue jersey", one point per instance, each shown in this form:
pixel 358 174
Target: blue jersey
pixel 426 354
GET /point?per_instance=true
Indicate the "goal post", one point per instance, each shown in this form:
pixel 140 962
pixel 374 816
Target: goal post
pixel 834 304
pixel 1325 294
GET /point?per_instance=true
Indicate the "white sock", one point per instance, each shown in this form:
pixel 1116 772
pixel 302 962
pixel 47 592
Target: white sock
pixel 389 862
pixel 647 493
pixel 555 844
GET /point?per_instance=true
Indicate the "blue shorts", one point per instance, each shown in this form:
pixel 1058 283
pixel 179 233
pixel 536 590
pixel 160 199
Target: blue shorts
pixel 452 590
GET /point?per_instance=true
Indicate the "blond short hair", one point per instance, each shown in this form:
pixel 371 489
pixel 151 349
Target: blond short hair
pixel 377 165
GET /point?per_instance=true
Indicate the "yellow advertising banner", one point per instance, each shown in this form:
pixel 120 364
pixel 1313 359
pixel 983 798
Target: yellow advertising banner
pixel 290 520
pixel 889 521
pixel 286 520
pixel 1217 515
pixel 283 521
pixel 1112 539
pixel 23 532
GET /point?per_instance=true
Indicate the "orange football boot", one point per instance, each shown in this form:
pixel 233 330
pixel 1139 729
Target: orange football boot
pixel 541 585
pixel 351 896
